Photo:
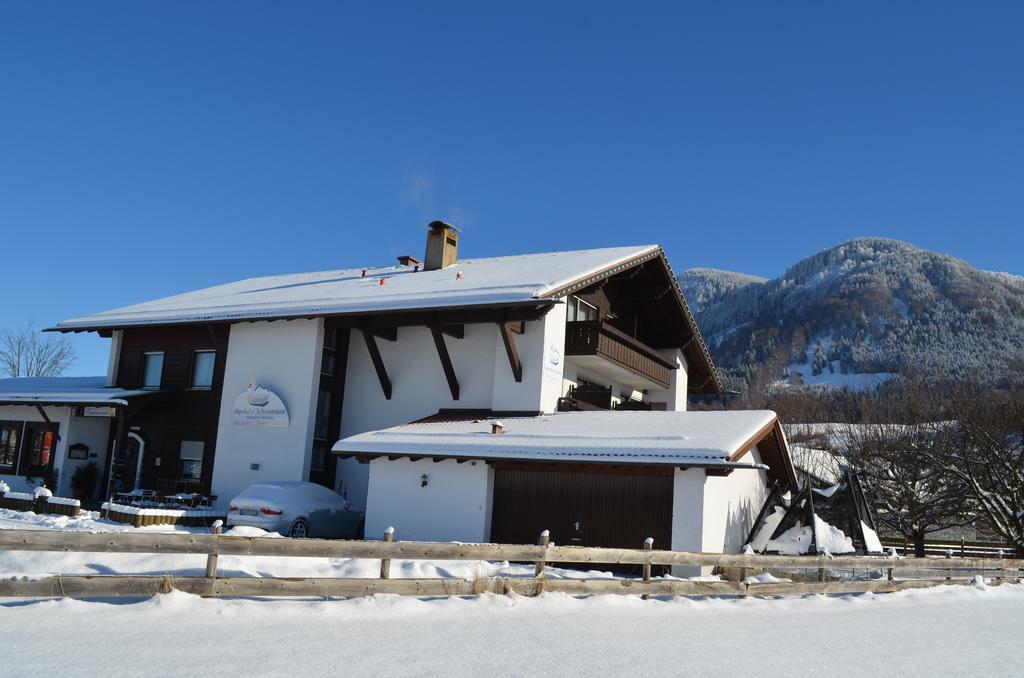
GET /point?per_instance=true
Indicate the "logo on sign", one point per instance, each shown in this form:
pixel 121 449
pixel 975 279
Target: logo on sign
pixel 258 405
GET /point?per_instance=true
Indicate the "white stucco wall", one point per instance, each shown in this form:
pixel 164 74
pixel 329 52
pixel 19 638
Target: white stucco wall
pixel 90 431
pixel 284 355
pixel 687 516
pixel 114 358
pixel 674 396
pixel 419 387
pixel 455 505
pixel 714 514
pixel 731 504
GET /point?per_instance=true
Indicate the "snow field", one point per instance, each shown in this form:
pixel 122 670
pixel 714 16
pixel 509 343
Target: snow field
pixel 956 631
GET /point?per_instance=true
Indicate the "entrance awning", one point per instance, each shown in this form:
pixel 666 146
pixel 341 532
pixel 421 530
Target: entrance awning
pixel 68 392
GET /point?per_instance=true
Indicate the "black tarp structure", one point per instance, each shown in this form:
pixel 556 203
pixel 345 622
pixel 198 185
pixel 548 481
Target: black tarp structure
pixel 842 505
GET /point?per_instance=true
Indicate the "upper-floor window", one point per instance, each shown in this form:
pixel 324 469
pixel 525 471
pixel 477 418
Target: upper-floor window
pixel 152 369
pixel 580 311
pixel 202 369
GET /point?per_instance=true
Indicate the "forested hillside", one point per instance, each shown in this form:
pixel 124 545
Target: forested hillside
pixel 859 313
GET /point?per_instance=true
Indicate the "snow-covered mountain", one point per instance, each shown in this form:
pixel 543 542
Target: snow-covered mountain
pixel 857 313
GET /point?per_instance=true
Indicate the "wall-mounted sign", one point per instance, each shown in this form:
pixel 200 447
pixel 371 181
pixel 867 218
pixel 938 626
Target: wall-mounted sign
pixel 259 406
pixel 99 411
pixel 553 363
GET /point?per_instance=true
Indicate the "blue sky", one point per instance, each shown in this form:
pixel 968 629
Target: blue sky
pixel 149 148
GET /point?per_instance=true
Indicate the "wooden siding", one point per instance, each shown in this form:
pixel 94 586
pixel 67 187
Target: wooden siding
pixel 601 339
pixel 182 413
pixel 581 507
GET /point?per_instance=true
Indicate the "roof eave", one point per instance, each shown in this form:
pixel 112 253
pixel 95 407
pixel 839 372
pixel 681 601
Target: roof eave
pixel 66 327
pixel 670 463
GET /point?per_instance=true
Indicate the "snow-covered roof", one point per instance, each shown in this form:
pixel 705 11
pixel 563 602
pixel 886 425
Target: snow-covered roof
pixel 472 282
pixel 704 439
pixel 64 390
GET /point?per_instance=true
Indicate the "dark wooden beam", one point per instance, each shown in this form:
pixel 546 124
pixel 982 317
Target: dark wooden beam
pixel 443 317
pixel 53 427
pixel 511 351
pixel 519 327
pixel 446 361
pixel 385 333
pixel 378 363
pixel 454 331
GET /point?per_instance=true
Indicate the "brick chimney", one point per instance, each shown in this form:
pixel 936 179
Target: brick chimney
pixel 442 246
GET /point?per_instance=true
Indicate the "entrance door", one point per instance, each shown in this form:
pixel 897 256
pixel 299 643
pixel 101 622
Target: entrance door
pixel 38 451
pixel 582 507
pixel 124 466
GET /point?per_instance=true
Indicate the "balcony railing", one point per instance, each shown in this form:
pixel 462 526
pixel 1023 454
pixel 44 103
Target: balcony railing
pixel 598 338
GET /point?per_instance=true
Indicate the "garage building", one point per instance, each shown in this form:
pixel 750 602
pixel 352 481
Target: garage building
pixel 689 480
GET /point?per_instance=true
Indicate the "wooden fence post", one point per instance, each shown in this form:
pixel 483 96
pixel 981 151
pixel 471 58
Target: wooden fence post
pixel 963 548
pixel 949 570
pixel 385 563
pixel 211 560
pixel 543 540
pixel 648 545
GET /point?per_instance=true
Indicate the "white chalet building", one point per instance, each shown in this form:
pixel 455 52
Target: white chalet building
pixel 586 358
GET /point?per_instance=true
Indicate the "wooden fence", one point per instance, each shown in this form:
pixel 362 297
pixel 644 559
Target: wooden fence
pixel 958 547
pixel 889 570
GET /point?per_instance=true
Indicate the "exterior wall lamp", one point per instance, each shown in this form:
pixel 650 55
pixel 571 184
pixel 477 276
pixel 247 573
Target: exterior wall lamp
pixel 424 479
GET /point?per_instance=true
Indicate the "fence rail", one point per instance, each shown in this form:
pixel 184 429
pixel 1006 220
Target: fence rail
pixel 542 554
pixel 960 547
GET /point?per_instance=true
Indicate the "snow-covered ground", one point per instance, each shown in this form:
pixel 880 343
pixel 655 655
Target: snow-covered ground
pixel 961 630
pixel 35 564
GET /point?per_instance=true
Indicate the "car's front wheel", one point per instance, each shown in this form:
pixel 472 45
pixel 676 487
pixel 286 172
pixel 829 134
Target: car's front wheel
pixel 299 529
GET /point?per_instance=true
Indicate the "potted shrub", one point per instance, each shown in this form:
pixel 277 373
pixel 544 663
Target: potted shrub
pixel 83 480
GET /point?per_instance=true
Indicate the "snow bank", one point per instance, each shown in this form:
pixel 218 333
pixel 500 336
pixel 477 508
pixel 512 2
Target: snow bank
pixel 947 631
pixel 771 522
pixel 797 540
pixel 871 541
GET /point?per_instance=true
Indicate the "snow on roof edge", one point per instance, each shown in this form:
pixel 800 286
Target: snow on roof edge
pixel 525 293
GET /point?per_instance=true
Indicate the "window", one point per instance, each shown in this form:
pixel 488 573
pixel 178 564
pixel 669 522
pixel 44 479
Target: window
pixel 202 369
pixel 152 369
pixel 329 362
pixel 40 446
pixel 318 462
pixel 323 415
pixel 10 432
pixel 580 311
pixel 191 464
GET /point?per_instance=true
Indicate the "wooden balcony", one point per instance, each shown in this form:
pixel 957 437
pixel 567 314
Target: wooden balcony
pixel 599 339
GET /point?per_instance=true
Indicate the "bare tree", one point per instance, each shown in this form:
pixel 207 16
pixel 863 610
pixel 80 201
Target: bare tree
pixel 28 353
pixel 984 451
pixel 911 494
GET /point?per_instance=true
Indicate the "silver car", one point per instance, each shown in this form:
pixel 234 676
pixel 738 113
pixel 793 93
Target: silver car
pixel 296 509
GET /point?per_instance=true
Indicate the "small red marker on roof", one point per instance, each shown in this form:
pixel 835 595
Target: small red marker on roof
pixel 382 280
pixel 458 275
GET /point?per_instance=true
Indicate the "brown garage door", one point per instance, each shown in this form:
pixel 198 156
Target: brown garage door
pixel 584 506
